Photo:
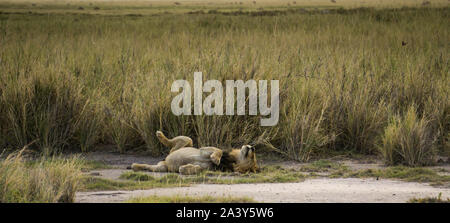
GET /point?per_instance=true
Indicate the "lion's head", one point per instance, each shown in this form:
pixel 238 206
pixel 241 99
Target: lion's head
pixel 245 159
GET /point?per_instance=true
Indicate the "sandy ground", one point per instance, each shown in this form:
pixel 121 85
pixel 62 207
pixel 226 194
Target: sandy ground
pixel 109 156
pixel 311 190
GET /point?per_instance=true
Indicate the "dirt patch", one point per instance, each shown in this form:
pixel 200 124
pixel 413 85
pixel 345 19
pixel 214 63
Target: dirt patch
pixel 311 190
pixel 114 174
pixel 119 160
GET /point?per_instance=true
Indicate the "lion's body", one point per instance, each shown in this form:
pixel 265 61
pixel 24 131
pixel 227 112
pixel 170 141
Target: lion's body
pixel 188 155
pixel 190 160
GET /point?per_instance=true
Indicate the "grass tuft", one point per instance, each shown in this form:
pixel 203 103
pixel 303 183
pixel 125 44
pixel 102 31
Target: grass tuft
pixel 408 141
pixel 189 199
pixel 47 180
pixel 437 199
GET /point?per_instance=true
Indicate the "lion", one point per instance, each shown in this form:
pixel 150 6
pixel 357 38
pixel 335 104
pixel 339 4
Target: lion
pixel 188 160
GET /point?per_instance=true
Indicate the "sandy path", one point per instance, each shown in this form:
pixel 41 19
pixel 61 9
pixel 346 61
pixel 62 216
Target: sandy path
pixel 311 190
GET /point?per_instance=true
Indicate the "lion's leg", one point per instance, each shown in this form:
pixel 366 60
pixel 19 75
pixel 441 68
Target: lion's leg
pixel 215 154
pixel 181 142
pixel 160 167
pixel 174 143
pixel 164 140
pixel 190 169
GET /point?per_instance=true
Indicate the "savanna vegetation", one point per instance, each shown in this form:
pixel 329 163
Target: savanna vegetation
pixel 366 80
pixel 437 199
pixel 42 181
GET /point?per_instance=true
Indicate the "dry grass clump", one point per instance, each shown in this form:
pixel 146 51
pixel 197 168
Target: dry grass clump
pixel 408 140
pixel 48 180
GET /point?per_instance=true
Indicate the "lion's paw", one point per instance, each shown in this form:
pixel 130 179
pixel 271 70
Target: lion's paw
pixel 215 158
pixel 190 169
pixel 135 167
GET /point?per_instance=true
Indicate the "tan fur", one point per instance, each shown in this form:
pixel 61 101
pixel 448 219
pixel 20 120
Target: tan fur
pixel 244 164
pixel 189 160
pixel 175 143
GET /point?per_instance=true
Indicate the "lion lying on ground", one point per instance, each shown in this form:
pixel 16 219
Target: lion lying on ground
pixel 185 159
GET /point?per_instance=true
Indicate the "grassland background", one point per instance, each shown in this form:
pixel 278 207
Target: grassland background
pixel 153 7
pixel 77 78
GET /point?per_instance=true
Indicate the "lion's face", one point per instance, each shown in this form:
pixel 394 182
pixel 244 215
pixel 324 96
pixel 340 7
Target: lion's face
pixel 246 160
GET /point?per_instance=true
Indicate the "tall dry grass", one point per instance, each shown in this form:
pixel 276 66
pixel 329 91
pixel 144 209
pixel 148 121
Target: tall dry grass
pixel 408 140
pixel 76 81
pixel 47 180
